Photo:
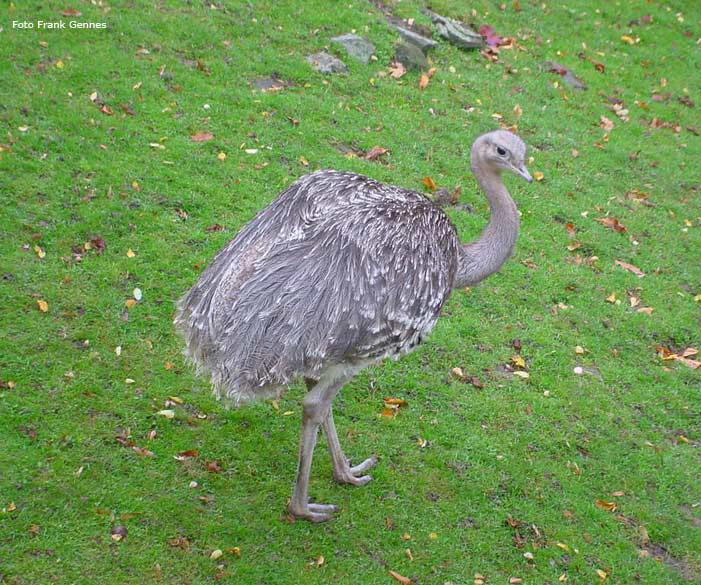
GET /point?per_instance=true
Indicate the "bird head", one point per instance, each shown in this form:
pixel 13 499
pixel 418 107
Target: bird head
pixel 499 151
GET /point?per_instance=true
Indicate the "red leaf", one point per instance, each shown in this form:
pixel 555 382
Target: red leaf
pixel 612 222
pixel 491 38
pixel 429 182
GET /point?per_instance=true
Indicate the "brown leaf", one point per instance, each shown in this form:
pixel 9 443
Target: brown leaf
pixel 202 137
pixel 571 230
pixel 610 506
pixel 186 454
pixel 612 223
pixel 213 466
pixel 214 228
pixel 476 382
pixel 634 269
pixel 400 578
pixel 396 69
pixel 423 81
pixel 375 152
pixel 71 12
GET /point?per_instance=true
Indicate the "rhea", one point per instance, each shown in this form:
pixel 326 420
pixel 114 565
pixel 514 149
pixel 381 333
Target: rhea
pixel 338 272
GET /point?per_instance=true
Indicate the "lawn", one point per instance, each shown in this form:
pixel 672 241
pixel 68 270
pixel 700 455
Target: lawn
pixel 552 422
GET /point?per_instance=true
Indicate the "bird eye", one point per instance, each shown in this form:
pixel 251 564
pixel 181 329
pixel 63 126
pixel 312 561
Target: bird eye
pixel 501 151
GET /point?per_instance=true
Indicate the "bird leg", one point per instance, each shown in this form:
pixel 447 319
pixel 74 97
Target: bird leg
pixel 342 471
pixel 316 407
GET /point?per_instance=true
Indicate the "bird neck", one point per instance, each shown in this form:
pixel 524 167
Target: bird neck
pixel 485 255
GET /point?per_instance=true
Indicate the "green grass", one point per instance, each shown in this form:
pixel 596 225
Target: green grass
pixel 512 449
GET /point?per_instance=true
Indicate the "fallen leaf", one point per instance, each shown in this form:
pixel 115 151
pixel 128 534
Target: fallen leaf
pixel 518 361
pixel 221 156
pixel 130 253
pixel 538 176
pixel 605 123
pixel 202 137
pixel 183 455
pixel 396 70
pixel 213 467
pixel 610 506
pixel 375 152
pixel 635 270
pixel 167 413
pixel 216 553
pixel 118 533
pixel 396 401
pixel 602 574
pixel 612 223
pixel 400 578
pixel 429 183
pixel 43 306
pixel 40 251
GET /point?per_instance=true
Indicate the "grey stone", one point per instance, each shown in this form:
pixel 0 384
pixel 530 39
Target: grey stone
pixel 409 55
pixel 357 47
pixel 326 63
pixel 415 38
pixel 455 32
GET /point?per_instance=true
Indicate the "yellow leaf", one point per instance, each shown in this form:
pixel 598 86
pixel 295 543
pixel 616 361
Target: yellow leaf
pixel 129 303
pixel 221 156
pixel 40 252
pixel 579 349
pixel 43 306
pixel 135 185
pixel 433 536
pixel 320 560
pixel 216 554
pixel 518 361
pixel 563 546
pixel 611 298
pixel 59 64
pixel 522 374
pixel 304 161
pixel 628 39
pixel 130 253
pixel 602 574
pixel 538 176
pixel 175 399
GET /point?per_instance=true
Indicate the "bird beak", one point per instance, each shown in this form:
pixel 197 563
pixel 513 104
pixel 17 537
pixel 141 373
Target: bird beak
pixel 523 171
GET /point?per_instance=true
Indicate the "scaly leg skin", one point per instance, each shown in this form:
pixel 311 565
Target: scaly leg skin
pixel 342 470
pixel 316 407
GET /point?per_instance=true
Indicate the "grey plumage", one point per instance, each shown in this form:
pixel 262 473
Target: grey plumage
pixel 334 270
pixel 338 272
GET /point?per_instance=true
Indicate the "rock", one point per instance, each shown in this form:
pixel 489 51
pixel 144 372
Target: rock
pixel 409 55
pixel 357 47
pixel 422 42
pixel 456 33
pixel 326 63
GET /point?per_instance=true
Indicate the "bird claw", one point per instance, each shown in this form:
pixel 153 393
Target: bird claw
pixel 312 511
pixel 350 475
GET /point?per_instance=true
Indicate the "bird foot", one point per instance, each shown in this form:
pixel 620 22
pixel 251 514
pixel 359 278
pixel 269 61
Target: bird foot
pixel 351 475
pixel 312 511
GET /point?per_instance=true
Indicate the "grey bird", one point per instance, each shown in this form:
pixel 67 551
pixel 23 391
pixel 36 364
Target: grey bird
pixel 338 272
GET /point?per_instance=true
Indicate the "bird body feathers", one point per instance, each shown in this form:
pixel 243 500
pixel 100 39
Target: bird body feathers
pixel 338 269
